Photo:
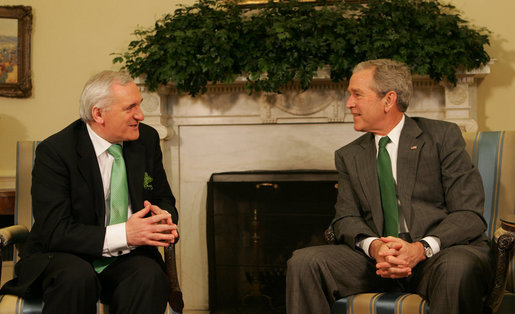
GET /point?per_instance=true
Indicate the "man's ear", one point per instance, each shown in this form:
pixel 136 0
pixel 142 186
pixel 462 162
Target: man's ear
pixel 98 116
pixel 390 100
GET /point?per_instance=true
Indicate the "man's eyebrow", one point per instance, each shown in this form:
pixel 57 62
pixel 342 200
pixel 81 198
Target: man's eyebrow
pixel 354 90
pixel 134 104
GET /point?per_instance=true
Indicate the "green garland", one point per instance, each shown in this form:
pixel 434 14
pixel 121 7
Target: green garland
pixel 271 45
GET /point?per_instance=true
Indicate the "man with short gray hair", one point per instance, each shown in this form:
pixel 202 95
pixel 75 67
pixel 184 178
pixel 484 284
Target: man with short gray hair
pixel 409 212
pixel 102 206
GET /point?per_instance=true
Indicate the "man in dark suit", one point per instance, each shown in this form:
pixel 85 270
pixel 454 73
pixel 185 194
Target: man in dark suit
pixel 436 246
pixel 75 253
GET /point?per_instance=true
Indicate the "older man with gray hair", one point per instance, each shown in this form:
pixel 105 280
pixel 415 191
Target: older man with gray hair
pixel 102 205
pixel 409 212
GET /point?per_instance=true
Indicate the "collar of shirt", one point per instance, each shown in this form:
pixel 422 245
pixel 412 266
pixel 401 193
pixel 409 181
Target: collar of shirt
pixel 105 161
pixel 99 144
pixel 394 134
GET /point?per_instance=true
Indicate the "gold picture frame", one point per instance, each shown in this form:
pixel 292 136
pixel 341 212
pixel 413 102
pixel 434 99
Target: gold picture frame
pixel 15 37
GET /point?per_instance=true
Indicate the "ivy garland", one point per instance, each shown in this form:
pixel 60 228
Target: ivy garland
pixel 215 41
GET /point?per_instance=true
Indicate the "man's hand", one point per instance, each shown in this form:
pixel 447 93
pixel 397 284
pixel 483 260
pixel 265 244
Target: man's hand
pixel 395 257
pixel 156 230
pixel 158 211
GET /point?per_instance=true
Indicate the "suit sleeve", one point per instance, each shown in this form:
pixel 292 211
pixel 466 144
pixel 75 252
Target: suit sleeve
pixel 463 193
pixel 349 224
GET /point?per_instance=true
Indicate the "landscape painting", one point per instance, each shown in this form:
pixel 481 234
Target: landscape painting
pixel 15 38
pixel 8 50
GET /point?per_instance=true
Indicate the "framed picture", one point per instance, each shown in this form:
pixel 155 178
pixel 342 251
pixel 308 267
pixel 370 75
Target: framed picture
pixel 15 30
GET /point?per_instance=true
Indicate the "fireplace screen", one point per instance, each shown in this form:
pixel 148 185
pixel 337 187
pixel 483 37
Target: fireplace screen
pixel 255 220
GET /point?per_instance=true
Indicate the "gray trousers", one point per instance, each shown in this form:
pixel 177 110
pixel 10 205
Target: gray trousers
pixel 455 280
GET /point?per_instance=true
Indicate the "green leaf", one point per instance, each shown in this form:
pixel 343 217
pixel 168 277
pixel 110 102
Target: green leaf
pixel 280 42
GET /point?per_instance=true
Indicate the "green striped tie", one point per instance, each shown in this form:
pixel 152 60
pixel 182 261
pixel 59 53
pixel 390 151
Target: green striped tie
pixel 387 186
pixel 119 198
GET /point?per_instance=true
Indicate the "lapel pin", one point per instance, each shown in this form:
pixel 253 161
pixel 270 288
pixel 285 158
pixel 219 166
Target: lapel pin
pixel 413 147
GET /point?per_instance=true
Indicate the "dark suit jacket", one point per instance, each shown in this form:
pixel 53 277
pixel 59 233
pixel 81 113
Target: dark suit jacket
pixel 439 190
pixel 68 197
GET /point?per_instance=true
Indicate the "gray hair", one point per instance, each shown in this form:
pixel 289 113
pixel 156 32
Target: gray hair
pixel 390 75
pixel 97 92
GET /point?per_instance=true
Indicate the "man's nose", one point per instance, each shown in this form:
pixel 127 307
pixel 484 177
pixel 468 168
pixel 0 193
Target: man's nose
pixel 350 102
pixel 139 114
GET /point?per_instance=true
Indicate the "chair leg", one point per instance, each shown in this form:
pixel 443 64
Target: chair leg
pixel 175 300
pixel 503 251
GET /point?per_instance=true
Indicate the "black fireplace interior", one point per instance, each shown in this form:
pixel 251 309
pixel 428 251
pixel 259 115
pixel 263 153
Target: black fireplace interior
pixel 255 220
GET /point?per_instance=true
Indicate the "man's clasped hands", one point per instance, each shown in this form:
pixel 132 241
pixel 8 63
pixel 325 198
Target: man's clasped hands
pixel 155 230
pixel 396 258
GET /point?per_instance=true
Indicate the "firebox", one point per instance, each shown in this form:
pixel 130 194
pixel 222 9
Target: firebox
pixel 255 220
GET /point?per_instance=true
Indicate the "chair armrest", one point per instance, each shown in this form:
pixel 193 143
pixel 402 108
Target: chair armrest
pixel 175 299
pixel 16 234
pixel 13 234
pixel 504 241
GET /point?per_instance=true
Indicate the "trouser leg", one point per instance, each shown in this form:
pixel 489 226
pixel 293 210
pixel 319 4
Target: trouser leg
pixel 69 285
pixel 456 279
pixel 317 276
pixel 135 283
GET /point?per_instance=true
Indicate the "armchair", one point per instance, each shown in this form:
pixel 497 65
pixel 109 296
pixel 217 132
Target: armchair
pixel 493 153
pixel 17 234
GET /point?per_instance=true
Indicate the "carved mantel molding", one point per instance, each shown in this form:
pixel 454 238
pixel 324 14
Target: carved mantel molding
pixel 323 102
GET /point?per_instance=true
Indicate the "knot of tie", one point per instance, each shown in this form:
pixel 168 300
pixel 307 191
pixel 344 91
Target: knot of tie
pixel 384 141
pixel 115 150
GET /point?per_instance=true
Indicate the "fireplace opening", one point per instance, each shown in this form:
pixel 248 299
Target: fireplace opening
pixel 255 220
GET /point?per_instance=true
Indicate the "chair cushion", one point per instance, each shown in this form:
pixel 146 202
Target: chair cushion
pixel 11 304
pixel 387 303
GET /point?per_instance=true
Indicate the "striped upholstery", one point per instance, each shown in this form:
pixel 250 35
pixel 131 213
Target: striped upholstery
pixel 499 181
pixel 493 153
pixel 499 176
pixel 10 304
pixel 25 153
pixel 381 303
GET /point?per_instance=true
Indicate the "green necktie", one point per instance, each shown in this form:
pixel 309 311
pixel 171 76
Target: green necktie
pixel 119 198
pixel 387 186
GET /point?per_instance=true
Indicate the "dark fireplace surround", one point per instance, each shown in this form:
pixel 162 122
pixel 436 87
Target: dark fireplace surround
pixel 255 220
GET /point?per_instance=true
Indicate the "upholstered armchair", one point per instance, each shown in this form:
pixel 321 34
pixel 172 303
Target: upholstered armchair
pixel 493 153
pixel 17 234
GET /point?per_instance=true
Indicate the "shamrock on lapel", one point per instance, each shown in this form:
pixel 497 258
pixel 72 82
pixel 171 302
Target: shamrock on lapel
pixel 147 180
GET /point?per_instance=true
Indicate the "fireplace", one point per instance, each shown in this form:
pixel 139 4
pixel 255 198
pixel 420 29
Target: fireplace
pixel 255 220
pixel 227 130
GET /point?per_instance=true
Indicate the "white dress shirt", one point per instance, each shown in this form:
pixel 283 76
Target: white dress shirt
pixel 393 147
pixel 115 241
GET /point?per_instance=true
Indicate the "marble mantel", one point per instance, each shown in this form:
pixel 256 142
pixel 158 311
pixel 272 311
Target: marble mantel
pixel 226 129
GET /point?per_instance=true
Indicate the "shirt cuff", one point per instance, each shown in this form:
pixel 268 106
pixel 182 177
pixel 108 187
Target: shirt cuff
pixel 365 244
pixel 433 242
pixel 115 241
